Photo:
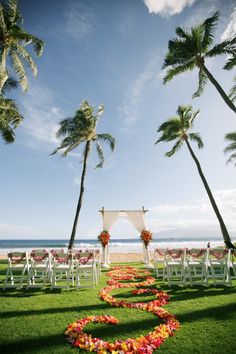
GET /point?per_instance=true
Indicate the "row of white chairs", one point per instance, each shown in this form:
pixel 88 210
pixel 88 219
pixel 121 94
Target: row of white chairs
pixel 195 266
pixel 59 269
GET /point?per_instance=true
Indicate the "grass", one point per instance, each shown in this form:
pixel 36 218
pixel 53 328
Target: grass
pixel 33 321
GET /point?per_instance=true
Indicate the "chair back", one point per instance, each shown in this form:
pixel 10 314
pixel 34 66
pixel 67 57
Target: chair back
pixel 62 257
pixel 18 258
pixel 175 254
pixel 39 256
pixel 196 253
pixel 84 257
pixel 217 253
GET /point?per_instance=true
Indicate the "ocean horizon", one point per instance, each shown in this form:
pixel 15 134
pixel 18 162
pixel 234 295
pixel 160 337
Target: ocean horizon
pixel 116 245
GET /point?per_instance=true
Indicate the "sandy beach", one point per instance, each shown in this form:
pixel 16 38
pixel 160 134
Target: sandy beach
pixel 115 257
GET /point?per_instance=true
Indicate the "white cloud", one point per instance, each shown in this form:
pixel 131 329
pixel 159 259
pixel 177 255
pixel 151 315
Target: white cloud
pixel 80 20
pixel 231 27
pixel 130 108
pixel 198 215
pixel 167 7
pixel 41 117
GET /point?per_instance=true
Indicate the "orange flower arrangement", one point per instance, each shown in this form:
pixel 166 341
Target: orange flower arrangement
pixel 146 237
pixel 104 238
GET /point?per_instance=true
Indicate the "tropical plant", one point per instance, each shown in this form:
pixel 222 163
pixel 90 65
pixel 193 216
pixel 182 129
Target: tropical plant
pixel 75 131
pixel 13 40
pixel 10 118
pixel 191 49
pixel 177 129
pixel 231 148
pixel 232 93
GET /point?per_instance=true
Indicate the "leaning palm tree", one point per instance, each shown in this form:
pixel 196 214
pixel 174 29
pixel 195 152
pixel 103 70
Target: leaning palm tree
pixel 13 40
pixel 191 49
pixel 10 118
pixel 177 129
pixel 231 148
pixel 77 130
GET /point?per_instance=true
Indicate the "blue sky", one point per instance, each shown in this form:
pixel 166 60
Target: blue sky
pixel 111 52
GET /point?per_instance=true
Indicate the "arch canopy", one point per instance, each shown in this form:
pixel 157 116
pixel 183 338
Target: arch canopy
pixel 136 218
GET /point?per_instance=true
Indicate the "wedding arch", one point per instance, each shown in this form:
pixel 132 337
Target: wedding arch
pixel 136 218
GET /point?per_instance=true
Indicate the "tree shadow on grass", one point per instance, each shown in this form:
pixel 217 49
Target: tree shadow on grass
pixel 178 293
pixel 55 310
pixel 219 313
pixel 32 344
pixel 46 342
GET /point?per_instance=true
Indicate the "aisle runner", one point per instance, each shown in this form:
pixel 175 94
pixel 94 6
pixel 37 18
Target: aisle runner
pixel 143 344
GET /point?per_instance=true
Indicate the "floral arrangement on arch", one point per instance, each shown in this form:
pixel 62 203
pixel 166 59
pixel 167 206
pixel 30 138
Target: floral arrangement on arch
pixel 146 237
pixel 104 238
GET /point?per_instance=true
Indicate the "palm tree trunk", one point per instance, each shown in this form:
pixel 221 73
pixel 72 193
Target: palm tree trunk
pixel 79 205
pixel 224 230
pixel 219 89
pixel 3 71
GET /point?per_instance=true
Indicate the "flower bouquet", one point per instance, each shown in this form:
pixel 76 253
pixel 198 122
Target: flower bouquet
pixel 104 238
pixel 146 237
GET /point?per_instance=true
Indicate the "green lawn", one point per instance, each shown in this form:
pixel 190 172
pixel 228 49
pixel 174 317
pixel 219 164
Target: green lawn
pixel 33 321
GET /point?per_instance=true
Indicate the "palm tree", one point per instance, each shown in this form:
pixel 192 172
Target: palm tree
pixel 231 137
pixel 13 40
pixel 190 50
pixel 177 129
pixel 10 118
pixel 77 130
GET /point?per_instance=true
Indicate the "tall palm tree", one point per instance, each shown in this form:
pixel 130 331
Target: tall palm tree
pixel 13 40
pixel 75 131
pixel 177 129
pixel 190 50
pixel 231 148
pixel 10 118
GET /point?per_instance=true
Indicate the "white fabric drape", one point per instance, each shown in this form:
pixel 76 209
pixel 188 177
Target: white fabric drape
pixel 108 219
pixel 137 219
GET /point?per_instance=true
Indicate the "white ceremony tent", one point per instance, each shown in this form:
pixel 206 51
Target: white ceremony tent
pixel 136 218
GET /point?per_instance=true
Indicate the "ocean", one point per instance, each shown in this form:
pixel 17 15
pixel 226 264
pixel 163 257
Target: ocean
pixel 115 245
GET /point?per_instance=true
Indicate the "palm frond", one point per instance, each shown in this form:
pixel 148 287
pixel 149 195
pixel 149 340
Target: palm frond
pixel 3 27
pixel 209 26
pixel 11 12
pixel 232 158
pixel 10 118
pixel 176 70
pixel 231 62
pixel 27 38
pixel 182 32
pixel 230 137
pixel 24 55
pixel 196 138
pixel 107 138
pixel 8 135
pixel 10 84
pixel 202 80
pixel 175 148
pixel 19 69
pixel 227 46
pixel 100 155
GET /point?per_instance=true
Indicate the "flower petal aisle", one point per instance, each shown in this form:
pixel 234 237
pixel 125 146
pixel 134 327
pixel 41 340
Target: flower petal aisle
pixel 143 344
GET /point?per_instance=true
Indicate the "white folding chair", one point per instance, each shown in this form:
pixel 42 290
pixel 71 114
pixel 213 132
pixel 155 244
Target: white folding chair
pixel 195 266
pixel 217 266
pixel 40 269
pixel 18 268
pixel 85 270
pixel 232 264
pixel 62 270
pixel 175 266
pixel 159 262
